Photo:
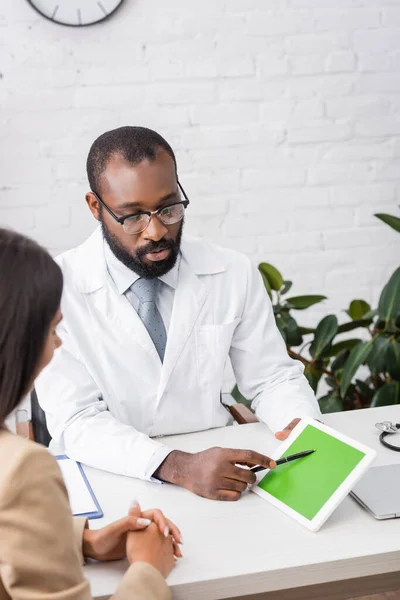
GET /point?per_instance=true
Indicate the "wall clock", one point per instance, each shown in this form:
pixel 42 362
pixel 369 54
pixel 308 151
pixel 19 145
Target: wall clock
pixel 75 13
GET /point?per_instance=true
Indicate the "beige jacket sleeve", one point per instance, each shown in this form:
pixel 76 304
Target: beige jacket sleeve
pixel 39 555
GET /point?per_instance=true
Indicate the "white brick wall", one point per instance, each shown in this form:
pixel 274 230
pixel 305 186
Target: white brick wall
pixel 285 116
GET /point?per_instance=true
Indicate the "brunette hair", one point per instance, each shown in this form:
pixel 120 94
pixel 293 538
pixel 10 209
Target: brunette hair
pixel 30 293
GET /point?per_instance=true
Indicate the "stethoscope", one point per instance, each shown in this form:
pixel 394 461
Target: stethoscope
pixel 387 427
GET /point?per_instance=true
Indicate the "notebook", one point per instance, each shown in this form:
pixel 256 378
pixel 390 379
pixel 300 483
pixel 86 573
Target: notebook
pixel 82 500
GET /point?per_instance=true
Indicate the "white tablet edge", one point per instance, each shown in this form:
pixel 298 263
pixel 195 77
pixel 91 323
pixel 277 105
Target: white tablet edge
pixel 341 492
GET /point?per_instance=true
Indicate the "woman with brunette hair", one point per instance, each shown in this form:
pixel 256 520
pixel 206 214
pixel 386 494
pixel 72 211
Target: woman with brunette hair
pixel 41 545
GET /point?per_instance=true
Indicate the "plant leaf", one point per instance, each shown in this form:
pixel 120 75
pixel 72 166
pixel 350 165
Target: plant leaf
pixel 332 402
pixel 293 335
pixel 302 302
pixel 272 274
pixel 377 358
pixel 306 330
pixel 389 302
pixel 340 360
pixel 357 357
pixel 354 325
pixel 364 389
pixel 313 376
pixel 324 334
pixel 393 360
pixel 344 345
pixel 281 324
pixel 386 395
pixel 286 287
pixel 266 284
pixel 357 309
pixel 390 220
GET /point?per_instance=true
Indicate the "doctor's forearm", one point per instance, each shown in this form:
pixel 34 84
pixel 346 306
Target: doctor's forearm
pixel 176 468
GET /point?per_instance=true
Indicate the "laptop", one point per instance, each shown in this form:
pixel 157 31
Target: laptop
pixel 379 492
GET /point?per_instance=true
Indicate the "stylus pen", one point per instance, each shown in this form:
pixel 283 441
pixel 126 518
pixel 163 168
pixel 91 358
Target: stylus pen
pixel 286 459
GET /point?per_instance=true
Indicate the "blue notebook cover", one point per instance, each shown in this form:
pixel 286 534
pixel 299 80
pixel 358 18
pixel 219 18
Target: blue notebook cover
pixel 90 515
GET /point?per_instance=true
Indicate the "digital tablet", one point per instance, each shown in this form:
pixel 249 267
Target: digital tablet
pixel 310 488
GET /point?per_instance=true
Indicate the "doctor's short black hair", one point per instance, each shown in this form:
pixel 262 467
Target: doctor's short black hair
pixel 134 144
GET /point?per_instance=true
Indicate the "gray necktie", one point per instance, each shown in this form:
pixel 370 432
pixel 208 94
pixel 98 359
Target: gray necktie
pixel 146 291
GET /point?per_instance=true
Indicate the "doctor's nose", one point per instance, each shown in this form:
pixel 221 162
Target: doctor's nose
pixel 155 230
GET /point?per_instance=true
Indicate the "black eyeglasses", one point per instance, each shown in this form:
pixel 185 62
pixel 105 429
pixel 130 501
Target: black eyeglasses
pixel 168 215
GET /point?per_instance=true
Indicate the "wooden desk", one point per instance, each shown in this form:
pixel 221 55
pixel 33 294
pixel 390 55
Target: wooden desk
pixel 247 548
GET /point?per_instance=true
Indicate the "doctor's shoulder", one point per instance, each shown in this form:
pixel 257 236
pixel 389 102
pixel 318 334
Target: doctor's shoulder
pixel 210 253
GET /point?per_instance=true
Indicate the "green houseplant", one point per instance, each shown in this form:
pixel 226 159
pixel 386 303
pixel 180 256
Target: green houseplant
pixel 335 359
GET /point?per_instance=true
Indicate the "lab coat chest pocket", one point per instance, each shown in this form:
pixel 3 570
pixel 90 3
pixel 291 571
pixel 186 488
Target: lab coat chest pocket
pixel 213 343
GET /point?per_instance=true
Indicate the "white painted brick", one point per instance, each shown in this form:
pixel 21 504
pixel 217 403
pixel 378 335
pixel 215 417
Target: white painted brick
pixel 354 151
pixel 204 226
pixel 374 61
pixel 35 170
pixel 388 171
pixel 271 65
pixel 307 64
pixel 357 106
pixel 322 86
pixel 273 177
pixel 210 206
pixel 246 245
pixel 321 219
pixel 382 40
pixel 351 238
pixel 319 131
pixel 346 277
pixel 214 137
pixel 340 62
pixel 255 202
pixel 243 225
pixel 391 16
pixel 276 111
pixel 290 242
pixel 378 127
pixel 224 114
pixel 333 19
pixel 182 93
pixel 283 23
pixel 373 195
pixel 307 109
pixel 199 183
pixel 317 43
pixel 249 155
pixel 366 218
pixel 237 90
pixel 20 220
pixel 205 69
pixel 118 75
pixel 55 215
pixel 336 173
pixel 376 83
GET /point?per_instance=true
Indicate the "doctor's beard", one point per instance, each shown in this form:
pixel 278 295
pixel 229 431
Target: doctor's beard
pixel 134 261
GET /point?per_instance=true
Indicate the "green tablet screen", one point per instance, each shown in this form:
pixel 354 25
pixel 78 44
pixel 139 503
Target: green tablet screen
pixel 306 484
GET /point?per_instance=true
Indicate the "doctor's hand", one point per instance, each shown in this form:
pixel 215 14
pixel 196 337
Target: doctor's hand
pixel 282 435
pixel 213 473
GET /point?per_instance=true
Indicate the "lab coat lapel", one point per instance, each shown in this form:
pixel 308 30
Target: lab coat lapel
pixel 95 282
pixel 190 296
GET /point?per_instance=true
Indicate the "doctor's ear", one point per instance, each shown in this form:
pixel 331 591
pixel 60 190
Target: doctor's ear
pixel 93 205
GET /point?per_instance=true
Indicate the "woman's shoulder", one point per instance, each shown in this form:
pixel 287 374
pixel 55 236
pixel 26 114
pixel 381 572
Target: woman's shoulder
pixel 20 458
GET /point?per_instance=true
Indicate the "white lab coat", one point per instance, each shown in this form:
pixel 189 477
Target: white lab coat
pixel 106 393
